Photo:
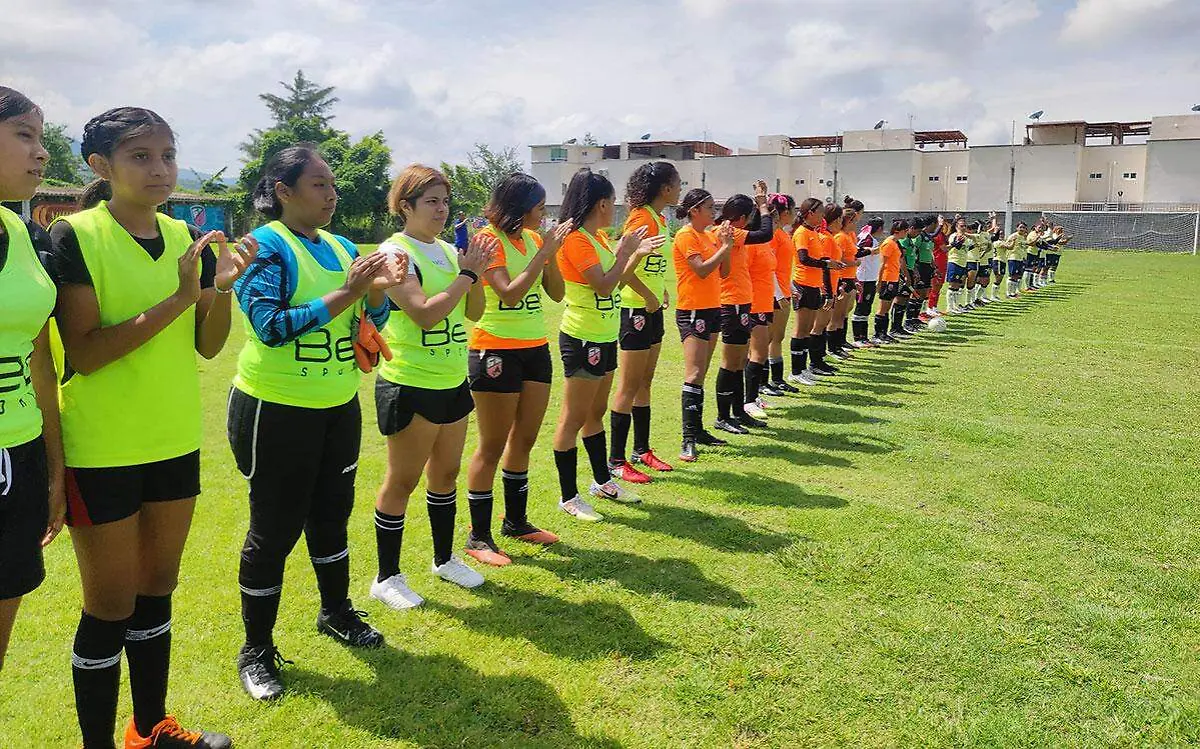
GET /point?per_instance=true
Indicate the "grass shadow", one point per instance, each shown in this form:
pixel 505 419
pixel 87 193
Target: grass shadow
pixel 718 532
pixel 811 411
pixel 755 489
pixel 856 443
pixel 674 578
pixel 437 700
pixel 579 631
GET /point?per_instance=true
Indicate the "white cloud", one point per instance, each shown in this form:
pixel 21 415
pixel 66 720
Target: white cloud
pixel 1000 15
pixel 1092 20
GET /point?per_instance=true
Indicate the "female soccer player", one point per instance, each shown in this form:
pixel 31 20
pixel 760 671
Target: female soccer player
pixel 136 303
pixel 762 266
pixel 940 236
pixel 1033 257
pixel 958 249
pixel 587 340
pixel 996 234
pixel 422 398
pixel 845 242
pixel 1015 244
pixel 31 459
pixel 509 362
pixel 982 240
pixel 867 274
pixel 1058 240
pixel 737 292
pixel 700 260
pixel 652 187
pixel 812 286
pixel 294 421
pixel 784 208
pixel 888 283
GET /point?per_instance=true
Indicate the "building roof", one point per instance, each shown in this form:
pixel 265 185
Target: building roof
pixel 706 147
pixel 920 137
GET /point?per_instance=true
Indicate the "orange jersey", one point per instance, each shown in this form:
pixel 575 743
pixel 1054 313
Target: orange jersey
pixel 577 255
pixel 890 253
pixel 845 250
pixel 810 240
pixel 481 339
pixel 736 288
pixel 785 258
pixel 692 291
pixel 762 276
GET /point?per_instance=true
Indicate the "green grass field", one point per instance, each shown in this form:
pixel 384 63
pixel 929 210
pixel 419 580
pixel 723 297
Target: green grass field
pixel 987 537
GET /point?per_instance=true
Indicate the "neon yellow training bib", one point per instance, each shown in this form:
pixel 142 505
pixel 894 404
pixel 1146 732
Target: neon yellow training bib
pixel 524 321
pixel 26 300
pixel 145 406
pixel 589 316
pixel 652 271
pixel 317 369
pixel 435 359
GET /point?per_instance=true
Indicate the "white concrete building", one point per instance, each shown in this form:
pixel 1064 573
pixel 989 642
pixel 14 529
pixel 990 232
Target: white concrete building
pixel 1058 164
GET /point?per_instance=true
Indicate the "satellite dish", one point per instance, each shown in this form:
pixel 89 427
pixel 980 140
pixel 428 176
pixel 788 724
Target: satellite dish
pixel 1196 108
pixel 879 125
pixel 646 136
pixel 1037 115
pixel 571 142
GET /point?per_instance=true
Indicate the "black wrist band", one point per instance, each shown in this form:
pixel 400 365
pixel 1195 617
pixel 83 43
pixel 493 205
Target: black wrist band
pixel 469 274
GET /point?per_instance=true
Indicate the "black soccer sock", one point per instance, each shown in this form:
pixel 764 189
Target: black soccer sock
pixel 480 505
pixel 776 370
pixel 799 349
pixel 816 350
pixel 442 507
pixel 567 463
pixel 619 423
pixel 261 584
pixel 641 429
pixel 516 497
pixel 148 649
pixel 329 552
pixel 96 673
pixel 898 318
pixel 389 537
pixel 593 445
pixel 692 401
pixel 914 310
pixel 724 392
pixel 881 326
pixel 860 328
pixel 738 407
pixel 754 379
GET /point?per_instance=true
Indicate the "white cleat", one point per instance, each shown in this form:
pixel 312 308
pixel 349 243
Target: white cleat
pixel 395 593
pixel 755 411
pixel 800 379
pixel 579 509
pixel 613 491
pixel 457 572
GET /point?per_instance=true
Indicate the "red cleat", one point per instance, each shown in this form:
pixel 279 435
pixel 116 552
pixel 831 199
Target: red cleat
pixel 650 460
pixel 623 471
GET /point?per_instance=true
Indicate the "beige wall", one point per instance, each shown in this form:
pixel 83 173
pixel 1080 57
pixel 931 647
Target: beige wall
pixel 1112 163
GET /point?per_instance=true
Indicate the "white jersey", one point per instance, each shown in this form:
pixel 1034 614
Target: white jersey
pixel 868 265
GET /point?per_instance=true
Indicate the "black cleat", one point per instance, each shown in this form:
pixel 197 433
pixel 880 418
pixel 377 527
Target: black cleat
pixel 688 453
pixel 347 626
pixel 784 387
pixel 709 439
pixel 746 420
pixel 258 669
pixel 729 425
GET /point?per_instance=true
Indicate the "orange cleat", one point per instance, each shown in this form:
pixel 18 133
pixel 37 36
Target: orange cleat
pixel 168 734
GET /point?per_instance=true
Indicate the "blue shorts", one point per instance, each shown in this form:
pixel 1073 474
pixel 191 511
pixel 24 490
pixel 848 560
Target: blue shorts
pixel 1052 260
pixel 1014 268
pixel 972 266
pixel 998 268
pixel 955 272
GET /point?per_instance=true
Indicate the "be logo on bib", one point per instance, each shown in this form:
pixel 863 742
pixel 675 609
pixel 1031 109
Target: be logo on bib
pixel 493 365
pixel 593 355
pixel 639 322
pixel 699 326
pixel 745 320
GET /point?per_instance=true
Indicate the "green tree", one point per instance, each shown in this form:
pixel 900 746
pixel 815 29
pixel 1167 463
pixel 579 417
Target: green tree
pixel 467 194
pixel 589 139
pixel 214 185
pixel 492 166
pixel 64 166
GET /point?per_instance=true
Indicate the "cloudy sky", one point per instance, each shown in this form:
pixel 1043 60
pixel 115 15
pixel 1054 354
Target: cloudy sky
pixel 437 76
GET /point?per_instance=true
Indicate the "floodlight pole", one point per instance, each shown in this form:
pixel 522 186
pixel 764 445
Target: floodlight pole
pixel 1196 234
pixel 1012 179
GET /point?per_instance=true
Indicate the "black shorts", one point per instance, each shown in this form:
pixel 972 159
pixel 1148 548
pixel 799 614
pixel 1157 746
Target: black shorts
pixel 761 319
pixel 985 270
pixel 848 286
pixel 1052 260
pixel 889 290
pixel 735 324
pixel 807 297
pixel 924 275
pixel 395 405
pixel 104 495
pixel 24 514
pixel 640 329
pixel 507 370
pixel 697 323
pixel 1015 268
pixel 586 359
pixel 1032 261
pixel 866 295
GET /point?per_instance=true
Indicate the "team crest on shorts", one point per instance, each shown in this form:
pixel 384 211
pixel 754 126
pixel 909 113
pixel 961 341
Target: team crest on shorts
pixel 493 365
pixel 745 320
pixel 699 325
pixel 593 355
pixel 639 322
